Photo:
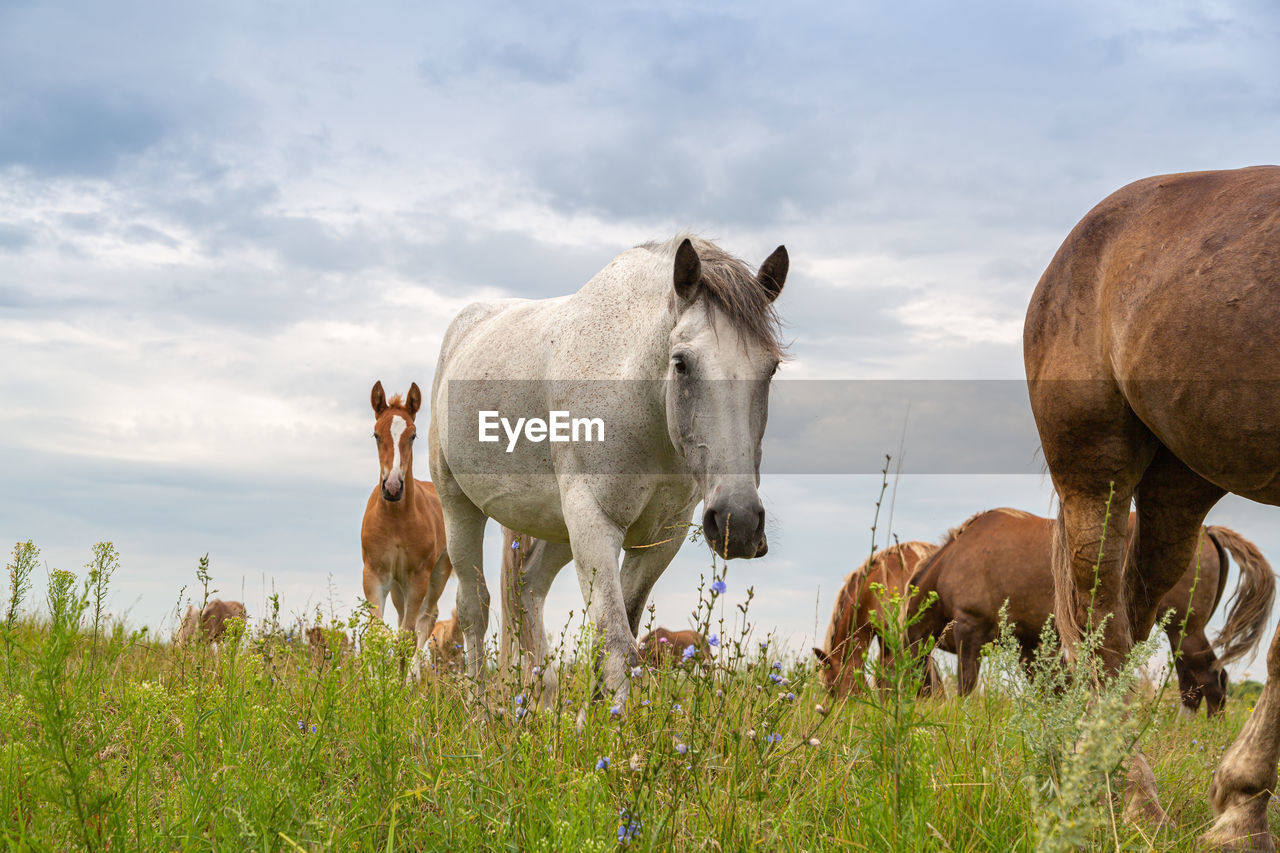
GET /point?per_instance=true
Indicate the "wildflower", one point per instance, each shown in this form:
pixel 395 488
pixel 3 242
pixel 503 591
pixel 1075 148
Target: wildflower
pixel 313 728
pixel 813 741
pixel 764 644
pixel 301 727
pixel 629 827
pixel 713 641
pixel 644 701
pixel 689 651
pixel 603 763
pixel 718 587
pixel 775 678
pixel 675 707
pixel 663 640
pixel 682 748
pixel 615 711
pixel 636 672
pixel 775 738
pixel 719 693
pixel 515 545
pixel 777 664
pixel 790 697
pixel 537 670
pixel 520 699
pixel 520 712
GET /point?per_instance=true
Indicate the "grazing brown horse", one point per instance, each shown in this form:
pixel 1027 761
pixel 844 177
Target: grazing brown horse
pixel 1152 350
pixel 1003 555
pixel 322 642
pixel 402 537
pixel 662 647
pixel 210 623
pixel 844 654
pixel 446 644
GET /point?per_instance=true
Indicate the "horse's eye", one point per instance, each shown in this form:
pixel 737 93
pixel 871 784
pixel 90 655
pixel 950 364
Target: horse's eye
pixel 773 371
pixel 377 438
pixel 413 438
pixel 680 366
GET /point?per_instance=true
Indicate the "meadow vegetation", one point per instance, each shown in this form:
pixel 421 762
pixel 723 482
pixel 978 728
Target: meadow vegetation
pixel 114 738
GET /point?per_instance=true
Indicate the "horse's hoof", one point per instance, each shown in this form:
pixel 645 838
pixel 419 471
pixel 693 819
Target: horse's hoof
pixel 1141 800
pixel 1235 837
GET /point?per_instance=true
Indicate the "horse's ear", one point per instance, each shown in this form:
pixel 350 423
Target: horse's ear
pixel 378 398
pixel 688 271
pixel 773 272
pixel 415 399
pixel 821 656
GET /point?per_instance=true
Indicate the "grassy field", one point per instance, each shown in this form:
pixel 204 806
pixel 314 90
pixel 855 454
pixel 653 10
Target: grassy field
pixel 114 739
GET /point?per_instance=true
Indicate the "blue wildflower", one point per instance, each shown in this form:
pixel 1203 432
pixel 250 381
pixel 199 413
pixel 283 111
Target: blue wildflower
pixel 713 640
pixel 301 726
pixel 644 701
pixel 790 697
pixel 682 748
pixel 629 827
pixel 515 545
pixel 689 651
pixel 777 664
pixel 718 587
pixel 520 699
pixel 615 711
pixel 675 707
pixel 603 763
pixel 775 738
pixel 313 728
pixel 775 678
pixel 636 672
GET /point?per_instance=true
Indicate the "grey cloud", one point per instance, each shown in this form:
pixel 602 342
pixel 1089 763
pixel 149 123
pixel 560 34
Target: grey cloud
pixel 13 237
pixel 79 130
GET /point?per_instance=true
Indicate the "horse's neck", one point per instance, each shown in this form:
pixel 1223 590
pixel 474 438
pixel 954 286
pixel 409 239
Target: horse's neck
pixel 636 302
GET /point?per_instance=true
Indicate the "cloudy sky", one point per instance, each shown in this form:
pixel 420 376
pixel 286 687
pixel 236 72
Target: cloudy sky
pixel 220 223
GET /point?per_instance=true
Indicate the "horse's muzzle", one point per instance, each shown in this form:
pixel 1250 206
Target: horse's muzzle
pixel 392 489
pixel 735 529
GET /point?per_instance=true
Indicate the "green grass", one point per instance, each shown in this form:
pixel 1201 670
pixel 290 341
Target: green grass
pixel 112 739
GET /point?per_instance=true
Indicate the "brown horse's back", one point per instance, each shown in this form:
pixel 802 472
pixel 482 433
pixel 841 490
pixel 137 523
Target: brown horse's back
pixel 663 647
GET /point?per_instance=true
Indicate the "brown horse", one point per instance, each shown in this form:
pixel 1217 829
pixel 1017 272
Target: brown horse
pixel 327 642
pixel 445 644
pixel 210 622
pixel 402 537
pixel 663 647
pixel 842 659
pixel 1003 555
pixel 1152 350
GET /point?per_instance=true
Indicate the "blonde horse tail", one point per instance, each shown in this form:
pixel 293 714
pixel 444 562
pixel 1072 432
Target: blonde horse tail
pixel 1250 604
pixel 1066 597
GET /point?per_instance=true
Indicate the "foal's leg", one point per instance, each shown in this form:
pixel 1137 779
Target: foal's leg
pixel 429 610
pixel 375 592
pixel 596 541
pixel 1242 786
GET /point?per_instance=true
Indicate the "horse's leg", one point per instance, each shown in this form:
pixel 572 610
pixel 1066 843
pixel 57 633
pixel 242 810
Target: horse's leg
pixel 641 568
pixel 375 592
pixel 971 635
pixel 535 577
pixel 596 542
pixel 1242 785
pixel 429 610
pixel 464 532
pixel 1172 503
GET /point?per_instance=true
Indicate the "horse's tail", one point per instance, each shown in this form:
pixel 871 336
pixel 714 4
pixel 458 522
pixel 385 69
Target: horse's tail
pixel 1250 604
pixel 1066 598
pixel 512 561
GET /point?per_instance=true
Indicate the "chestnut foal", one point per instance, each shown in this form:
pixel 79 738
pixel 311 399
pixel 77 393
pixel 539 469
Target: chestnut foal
pixel 402 538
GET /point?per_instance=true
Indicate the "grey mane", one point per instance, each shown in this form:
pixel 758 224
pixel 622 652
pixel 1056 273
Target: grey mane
pixel 732 288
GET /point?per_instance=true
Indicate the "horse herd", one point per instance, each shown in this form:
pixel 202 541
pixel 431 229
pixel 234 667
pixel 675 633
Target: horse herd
pixel 1152 354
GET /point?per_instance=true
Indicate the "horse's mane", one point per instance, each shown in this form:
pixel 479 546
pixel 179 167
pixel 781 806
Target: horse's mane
pixel 838 629
pixel 396 402
pixel 732 287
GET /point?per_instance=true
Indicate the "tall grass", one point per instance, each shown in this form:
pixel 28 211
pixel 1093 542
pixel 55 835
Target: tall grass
pixel 111 738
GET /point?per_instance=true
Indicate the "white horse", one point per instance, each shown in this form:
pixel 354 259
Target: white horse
pixel 698 330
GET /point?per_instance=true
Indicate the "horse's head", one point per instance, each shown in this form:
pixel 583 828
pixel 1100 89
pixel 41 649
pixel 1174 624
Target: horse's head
pixel 394 432
pixel 723 354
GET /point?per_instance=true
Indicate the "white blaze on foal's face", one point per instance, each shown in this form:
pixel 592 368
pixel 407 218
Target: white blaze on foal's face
pixel 394 469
